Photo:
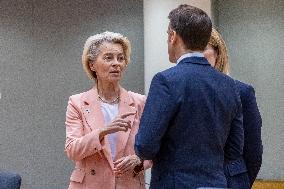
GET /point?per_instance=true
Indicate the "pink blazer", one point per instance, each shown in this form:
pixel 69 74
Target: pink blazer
pixel 92 158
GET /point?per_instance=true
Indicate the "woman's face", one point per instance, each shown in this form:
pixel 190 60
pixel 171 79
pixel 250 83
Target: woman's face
pixel 110 63
pixel 210 54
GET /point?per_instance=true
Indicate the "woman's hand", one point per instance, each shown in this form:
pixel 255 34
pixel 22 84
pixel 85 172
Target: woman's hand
pixel 118 124
pixel 125 164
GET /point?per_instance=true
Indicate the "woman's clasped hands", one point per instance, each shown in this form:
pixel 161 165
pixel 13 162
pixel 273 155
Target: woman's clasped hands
pixel 125 164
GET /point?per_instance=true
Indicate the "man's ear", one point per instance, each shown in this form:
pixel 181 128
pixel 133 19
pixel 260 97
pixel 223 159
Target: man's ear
pixel 173 37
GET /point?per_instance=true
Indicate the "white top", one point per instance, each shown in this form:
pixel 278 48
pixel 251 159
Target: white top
pixel 193 54
pixel 110 111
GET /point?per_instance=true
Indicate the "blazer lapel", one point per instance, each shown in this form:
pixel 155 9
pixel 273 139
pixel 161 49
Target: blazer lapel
pixel 91 108
pixel 126 105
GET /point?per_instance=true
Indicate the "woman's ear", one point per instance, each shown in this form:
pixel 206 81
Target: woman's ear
pixel 92 67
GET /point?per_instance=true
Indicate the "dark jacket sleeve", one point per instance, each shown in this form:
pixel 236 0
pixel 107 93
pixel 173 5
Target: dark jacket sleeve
pixel 159 110
pixel 252 131
pixel 235 141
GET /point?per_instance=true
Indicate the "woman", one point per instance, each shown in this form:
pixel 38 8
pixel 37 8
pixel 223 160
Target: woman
pixel 240 173
pixel 101 123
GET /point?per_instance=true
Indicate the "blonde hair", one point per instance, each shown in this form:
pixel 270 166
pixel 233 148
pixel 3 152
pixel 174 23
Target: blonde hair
pixel 92 49
pixel 219 45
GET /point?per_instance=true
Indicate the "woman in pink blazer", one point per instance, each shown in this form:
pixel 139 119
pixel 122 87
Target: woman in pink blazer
pixel 101 123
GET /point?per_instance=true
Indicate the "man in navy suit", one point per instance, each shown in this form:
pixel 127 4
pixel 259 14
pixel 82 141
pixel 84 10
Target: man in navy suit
pixel 193 116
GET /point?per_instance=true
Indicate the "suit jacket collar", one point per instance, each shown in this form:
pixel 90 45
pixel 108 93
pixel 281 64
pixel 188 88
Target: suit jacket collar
pixel 91 107
pixel 194 60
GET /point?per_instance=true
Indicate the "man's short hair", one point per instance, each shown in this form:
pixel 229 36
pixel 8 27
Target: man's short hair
pixel 192 24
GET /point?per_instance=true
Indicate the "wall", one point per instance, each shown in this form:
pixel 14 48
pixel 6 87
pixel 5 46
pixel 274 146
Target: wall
pixel 254 34
pixel 40 67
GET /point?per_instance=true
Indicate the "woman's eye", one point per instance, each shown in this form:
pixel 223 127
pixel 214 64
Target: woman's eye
pixel 107 58
pixel 121 58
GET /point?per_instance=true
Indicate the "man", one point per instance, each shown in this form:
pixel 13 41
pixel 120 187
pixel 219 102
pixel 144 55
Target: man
pixel 192 117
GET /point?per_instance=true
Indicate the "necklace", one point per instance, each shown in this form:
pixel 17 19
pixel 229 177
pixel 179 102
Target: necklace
pixel 109 102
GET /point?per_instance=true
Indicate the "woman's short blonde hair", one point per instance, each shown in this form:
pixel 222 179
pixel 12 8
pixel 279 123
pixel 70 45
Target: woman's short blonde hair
pixel 92 49
pixel 219 45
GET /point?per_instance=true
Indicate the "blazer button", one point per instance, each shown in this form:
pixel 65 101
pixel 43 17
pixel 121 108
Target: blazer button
pixel 93 172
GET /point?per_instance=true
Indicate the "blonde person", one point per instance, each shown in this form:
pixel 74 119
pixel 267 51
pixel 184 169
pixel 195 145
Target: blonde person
pixel 240 173
pixel 101 123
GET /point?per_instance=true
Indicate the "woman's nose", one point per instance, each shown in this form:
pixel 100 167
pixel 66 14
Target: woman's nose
pixel 116 62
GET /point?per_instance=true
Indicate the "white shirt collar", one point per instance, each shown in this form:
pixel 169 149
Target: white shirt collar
pixel 187 55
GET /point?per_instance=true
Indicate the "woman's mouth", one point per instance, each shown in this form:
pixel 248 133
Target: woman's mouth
pixel 115 72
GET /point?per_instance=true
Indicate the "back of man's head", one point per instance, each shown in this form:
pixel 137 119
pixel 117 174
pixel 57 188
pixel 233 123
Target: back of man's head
pixel 193 25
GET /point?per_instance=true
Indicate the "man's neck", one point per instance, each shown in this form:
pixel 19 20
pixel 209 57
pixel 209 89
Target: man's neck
pixel 184 51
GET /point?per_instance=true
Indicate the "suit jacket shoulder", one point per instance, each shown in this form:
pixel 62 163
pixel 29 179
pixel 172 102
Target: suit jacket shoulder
pixel 247 96
pixel 139 100
pixel 244 88
pixel 136 97
pixel 76 98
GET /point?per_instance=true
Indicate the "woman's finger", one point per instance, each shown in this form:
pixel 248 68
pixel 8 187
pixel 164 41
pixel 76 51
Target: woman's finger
pixel 123 126
pixel 123 116
pixel 118 161
pixel 122 163
pixel 117 128
pixel 129 124
pixel 124 122
pixel 126 168
pixel 126 125
pixel 120 121
pixel 127 165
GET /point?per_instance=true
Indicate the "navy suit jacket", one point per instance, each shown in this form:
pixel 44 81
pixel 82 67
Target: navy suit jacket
pixel 241 173
pixel 191 120
pixel 10 180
